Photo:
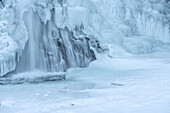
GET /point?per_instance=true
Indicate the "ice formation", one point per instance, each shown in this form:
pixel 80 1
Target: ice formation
pixel 54 35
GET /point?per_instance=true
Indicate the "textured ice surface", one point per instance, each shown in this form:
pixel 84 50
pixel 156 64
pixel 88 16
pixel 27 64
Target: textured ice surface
pixel 120 85
pixel 134 26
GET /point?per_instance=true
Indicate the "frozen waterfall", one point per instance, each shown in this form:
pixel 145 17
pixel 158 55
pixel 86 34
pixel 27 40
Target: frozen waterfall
pixel 54 35
pixel 50 48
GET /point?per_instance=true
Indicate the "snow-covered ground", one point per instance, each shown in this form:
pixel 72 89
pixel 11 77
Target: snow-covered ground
pixel 117 85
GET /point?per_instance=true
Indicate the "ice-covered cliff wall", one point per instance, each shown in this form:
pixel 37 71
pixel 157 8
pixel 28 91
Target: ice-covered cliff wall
pixel 44 38
pixel 123 26
pixel 139 26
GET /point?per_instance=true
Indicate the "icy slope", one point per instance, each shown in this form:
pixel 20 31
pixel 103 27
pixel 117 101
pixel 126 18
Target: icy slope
pixel 123 26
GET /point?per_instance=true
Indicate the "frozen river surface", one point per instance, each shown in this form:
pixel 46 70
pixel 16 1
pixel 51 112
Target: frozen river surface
pixel 117 85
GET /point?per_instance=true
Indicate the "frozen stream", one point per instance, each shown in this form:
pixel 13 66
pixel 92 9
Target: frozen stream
pixel 118 85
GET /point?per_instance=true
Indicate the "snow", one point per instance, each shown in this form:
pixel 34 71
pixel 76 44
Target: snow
pixel 121 85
